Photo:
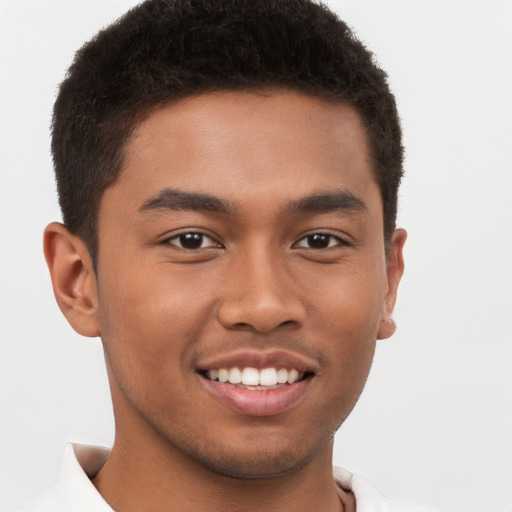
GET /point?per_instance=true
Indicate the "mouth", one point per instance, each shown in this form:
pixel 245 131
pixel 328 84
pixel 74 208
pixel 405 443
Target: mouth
pixel 258 384
pixel 256 380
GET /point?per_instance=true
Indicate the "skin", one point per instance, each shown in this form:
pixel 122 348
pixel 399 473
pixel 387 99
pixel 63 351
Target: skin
pixel 254 284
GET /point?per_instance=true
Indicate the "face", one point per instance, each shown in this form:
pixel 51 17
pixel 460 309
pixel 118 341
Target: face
pixel 242 278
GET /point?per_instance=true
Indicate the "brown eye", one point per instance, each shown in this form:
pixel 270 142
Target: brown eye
pixel 193 241
pixel 319 241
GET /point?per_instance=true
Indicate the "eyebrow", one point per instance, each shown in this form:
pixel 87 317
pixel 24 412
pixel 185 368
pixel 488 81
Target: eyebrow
pixel 327 202
pixel 172 199
pixel 322 202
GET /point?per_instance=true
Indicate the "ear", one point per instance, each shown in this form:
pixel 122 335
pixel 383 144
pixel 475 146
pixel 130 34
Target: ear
pixel 395 269
pixel 73 278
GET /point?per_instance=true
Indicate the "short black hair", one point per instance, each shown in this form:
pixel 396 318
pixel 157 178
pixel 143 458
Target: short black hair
pixel 163 50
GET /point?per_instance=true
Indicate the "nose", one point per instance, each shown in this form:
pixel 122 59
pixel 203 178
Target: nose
pixel 260 295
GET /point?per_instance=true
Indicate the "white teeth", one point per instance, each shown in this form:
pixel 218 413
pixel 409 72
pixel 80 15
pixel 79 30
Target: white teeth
pixel 293 376
pixel 268 377
pixel 250 377
pixel 235 376
pixel 282 375
pixel 223 375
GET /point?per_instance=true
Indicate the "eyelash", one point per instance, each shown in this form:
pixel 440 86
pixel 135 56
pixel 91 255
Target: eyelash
pixel 338 241
pixel 191 234
pixel 196 236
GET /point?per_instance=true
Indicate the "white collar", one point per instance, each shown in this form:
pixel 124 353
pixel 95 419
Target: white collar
pixel 75 492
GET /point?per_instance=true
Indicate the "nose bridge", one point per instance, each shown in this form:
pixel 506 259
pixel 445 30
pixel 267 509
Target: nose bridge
pixel 261 293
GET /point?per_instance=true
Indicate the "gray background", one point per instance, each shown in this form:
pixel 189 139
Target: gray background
pixel 434 425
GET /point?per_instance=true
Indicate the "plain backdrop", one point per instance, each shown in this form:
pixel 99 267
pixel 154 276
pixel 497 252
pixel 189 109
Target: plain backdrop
pixel 434 425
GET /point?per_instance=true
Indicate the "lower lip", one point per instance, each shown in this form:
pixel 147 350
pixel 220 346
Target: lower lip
pixel 258 402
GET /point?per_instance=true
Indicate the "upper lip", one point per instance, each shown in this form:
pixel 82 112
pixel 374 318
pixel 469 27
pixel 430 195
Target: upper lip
pixel 260 359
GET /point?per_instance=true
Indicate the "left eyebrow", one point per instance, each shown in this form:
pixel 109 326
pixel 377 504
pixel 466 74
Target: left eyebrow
pixel 327 202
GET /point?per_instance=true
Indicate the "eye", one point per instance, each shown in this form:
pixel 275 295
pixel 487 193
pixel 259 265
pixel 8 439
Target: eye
pixel 192 241
pixel 320 241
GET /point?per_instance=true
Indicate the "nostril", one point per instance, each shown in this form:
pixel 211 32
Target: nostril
pixel 290 323
pixel 242 326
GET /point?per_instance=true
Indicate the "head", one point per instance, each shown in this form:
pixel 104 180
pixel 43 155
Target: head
pixel 164 50
pixel 232 167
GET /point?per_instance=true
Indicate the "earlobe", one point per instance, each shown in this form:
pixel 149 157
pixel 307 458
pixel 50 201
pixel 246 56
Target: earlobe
pixel 73 278
pixel 395 270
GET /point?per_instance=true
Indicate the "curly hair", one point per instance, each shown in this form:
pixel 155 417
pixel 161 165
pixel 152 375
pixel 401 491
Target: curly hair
pixel 164 50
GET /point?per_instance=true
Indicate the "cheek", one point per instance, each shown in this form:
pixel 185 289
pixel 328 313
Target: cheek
pixel 345 312
pixel 347 298
pixel 148 335
pixel 148 321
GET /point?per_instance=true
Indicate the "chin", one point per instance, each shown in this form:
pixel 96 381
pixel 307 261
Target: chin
pixel 256 465
pixel 255 455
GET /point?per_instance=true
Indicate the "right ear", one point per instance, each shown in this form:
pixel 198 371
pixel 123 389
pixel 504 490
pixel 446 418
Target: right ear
pixel 73 278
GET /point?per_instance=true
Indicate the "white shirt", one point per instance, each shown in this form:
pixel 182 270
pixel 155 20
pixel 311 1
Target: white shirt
pixel 76 493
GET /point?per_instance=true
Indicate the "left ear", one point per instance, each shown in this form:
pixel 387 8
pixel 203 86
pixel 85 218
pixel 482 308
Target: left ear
pixel 395 269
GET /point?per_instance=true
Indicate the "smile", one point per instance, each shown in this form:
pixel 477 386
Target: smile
pixel 254 379
pixel 258 383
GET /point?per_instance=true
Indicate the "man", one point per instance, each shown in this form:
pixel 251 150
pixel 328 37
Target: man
pixel 228 174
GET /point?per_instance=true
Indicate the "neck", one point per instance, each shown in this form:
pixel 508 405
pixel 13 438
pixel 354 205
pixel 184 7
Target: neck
pixel 148 474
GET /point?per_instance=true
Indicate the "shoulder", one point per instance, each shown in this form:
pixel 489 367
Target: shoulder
pixel 368 499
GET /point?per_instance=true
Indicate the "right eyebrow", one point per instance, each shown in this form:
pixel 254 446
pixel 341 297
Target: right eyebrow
pixel 176 200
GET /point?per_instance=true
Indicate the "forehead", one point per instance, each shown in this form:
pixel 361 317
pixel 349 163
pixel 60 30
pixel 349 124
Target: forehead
pixel 280 145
